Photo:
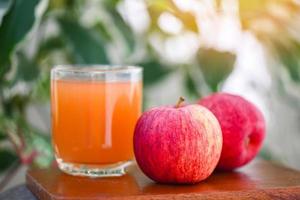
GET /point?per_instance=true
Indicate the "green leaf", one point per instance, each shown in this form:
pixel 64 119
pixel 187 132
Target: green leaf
pixel 39 143
pixel 216 66
pixel 15 25
pixel 42 145
pixel 86 47
pixel 27 69
pixel 2 136
pixel 63 5
pixel 2 125
pixel 4 6
pixel 289 56
pixel 190 85
pixel 41 88
pixel 48 45
pixel 102 29
pixel 153 71
pixel 125 30
pixel 7 158
pixel 111 3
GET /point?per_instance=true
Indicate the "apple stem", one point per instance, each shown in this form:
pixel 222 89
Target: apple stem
pixel 179 102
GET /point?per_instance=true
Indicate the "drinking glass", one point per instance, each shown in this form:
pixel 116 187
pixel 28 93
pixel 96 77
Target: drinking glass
pixel 94 110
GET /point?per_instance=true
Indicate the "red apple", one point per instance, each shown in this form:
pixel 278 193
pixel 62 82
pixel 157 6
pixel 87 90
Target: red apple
pixel 180 145
pixel 243 128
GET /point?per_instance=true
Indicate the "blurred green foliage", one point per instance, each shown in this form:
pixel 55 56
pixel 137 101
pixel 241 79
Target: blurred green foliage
pixel 37 34
pixel 7 159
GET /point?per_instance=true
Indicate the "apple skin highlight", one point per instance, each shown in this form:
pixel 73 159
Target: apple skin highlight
pixel 243 128
pixel 178 145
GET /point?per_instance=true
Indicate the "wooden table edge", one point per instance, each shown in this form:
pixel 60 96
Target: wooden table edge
pixel 292 192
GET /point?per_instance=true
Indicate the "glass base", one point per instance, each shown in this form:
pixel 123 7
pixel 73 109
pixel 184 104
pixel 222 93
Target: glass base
pixel 109 170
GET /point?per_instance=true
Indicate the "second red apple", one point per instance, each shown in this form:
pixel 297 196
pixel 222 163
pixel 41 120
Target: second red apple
pixel 243 128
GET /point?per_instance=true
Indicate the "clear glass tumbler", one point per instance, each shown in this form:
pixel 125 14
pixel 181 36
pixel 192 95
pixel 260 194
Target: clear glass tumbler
pixel 94 111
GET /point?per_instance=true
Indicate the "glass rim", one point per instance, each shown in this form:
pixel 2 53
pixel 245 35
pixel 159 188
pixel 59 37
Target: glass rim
pixel 96 68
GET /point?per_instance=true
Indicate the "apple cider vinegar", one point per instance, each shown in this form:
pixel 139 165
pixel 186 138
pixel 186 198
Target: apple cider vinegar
pixel 93 120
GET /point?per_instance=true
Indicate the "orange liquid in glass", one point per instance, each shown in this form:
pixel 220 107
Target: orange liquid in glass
pixel 93 122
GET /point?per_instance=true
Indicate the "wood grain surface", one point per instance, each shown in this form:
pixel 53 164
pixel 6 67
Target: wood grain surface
pixel 258 180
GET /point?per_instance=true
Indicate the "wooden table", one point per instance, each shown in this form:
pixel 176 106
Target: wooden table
pixel 258 180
